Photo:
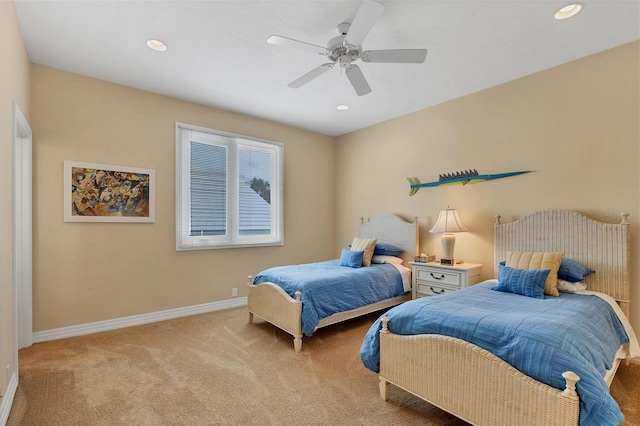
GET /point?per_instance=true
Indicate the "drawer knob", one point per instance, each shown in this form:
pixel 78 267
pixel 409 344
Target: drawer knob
pixel 441 277
pixel 437 292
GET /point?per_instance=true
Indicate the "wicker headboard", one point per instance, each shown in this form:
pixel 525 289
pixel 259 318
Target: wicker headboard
pixel 604 247
pixel 391 229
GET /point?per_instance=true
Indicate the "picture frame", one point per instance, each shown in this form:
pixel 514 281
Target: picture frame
pixel 96 192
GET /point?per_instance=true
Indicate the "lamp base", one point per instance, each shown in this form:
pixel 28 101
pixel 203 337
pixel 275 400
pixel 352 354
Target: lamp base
pixel 448 242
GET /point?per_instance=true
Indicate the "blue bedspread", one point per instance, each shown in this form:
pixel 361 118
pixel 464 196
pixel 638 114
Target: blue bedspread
pixel 540 337
pixel 328 288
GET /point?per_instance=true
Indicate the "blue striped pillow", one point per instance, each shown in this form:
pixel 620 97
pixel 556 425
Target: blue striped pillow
pixel 527 282
pixel 352 259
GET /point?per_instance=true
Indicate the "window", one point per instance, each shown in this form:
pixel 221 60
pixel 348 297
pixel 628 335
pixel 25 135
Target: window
pixel 228 190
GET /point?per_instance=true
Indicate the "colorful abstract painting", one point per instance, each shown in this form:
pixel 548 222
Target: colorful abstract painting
pixel 104 193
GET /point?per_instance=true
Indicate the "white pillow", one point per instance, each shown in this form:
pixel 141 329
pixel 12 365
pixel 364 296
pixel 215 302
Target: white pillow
pixel 569 287
pixel 381 258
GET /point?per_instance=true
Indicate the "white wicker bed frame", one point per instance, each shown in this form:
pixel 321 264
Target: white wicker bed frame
pixel 274 305
pixel 480 388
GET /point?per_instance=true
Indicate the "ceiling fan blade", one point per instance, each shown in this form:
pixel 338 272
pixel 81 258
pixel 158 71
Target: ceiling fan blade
pixel 314 73
pixel 297 44
pixel 404 56
pixel 364 20
pixel 359 83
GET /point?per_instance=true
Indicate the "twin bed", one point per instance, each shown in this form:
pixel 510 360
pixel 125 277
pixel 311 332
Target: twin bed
pixel 298 312
pixel 452 368
pixel 560 379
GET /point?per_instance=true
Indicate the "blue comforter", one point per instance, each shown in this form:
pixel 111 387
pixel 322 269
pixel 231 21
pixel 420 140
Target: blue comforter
pixel 540 337
pixel 328 288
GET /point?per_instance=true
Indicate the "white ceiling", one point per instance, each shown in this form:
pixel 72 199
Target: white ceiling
pixel 217 52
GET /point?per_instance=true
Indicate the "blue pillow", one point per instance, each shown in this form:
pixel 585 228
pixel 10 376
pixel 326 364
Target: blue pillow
pixel 387 249
pixel 352 259
pixel 527 282
pixel 573 271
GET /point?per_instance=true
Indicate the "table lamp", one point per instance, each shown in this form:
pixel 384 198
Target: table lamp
pixel 448 222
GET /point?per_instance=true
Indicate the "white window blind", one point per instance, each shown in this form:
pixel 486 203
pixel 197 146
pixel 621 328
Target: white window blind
pixel 228 190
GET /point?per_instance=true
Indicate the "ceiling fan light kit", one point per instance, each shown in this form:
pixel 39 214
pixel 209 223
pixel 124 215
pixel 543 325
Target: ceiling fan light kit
pixel 346 48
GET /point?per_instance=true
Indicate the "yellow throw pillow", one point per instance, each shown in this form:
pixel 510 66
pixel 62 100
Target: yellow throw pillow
pixel 538 260
pixel 368 245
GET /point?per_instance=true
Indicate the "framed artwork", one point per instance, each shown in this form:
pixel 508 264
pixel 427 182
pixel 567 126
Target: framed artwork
pixel 105 193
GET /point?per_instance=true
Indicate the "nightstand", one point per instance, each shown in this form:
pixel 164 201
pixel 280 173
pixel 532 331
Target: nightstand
pixel 431 279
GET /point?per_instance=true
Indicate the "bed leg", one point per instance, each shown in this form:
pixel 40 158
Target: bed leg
pixel 384 389
pixel 249 283
pixel 297 343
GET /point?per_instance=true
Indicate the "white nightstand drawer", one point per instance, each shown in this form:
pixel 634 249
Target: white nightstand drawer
pixel 430 279
pixel 433 290
pixel 437 276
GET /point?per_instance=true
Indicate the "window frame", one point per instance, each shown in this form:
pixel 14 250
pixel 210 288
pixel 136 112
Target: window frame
pixel 233 143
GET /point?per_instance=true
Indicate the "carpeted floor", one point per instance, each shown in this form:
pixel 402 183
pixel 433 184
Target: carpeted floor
pixel 216 369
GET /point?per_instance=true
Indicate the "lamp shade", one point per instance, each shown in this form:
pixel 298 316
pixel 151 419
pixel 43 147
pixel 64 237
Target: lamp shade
pixel 448 221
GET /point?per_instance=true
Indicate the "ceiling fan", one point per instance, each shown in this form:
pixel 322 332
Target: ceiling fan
pixel 346 48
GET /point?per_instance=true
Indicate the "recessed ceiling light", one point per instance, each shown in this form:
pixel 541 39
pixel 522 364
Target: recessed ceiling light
pixel 342 107
pixel 568 11
pixel 156 45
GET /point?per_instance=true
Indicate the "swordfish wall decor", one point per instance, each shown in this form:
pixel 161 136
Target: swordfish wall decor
pixel 459 178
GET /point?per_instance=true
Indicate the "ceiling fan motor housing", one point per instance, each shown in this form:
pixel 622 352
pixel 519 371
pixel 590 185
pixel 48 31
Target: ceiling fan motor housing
pixel 340 51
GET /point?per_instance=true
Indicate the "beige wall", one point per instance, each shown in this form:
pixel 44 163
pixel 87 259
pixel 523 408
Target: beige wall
pixel 14 86
pixel 86 272
pixel 575 126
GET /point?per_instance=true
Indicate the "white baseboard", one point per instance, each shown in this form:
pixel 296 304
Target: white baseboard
pixel 7 399
pixel 113 324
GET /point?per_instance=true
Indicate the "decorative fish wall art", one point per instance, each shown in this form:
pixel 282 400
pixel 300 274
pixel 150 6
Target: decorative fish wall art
pixel 459 178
